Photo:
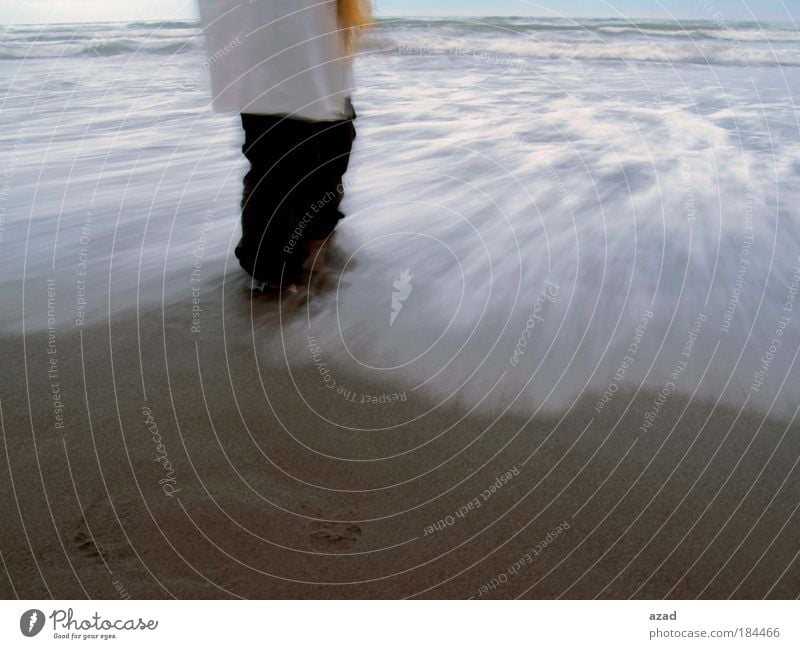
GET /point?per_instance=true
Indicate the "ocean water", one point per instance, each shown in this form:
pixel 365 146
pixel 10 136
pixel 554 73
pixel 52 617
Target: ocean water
pixel 536 208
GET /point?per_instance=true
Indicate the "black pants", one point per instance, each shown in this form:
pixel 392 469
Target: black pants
pixel 292 191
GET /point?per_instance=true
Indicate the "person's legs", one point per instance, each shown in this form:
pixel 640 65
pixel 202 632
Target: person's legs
pixel 265 142
pixel 292 191
pixel 335 142
pixel 279 151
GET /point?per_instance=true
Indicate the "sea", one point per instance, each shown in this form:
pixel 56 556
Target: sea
pixel 537 209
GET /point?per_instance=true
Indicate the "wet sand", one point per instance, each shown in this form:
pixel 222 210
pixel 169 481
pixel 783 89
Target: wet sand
pixel 143 459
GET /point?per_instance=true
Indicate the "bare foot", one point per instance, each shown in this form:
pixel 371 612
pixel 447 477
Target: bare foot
pixel 289 288
pixel 263 287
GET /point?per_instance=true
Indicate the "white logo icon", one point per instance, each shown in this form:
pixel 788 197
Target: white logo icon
pixel 402 290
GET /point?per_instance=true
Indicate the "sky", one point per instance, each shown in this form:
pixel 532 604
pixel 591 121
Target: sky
pixel 43 11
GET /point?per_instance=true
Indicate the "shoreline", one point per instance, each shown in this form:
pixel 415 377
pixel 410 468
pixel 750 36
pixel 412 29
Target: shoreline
pixel 222 482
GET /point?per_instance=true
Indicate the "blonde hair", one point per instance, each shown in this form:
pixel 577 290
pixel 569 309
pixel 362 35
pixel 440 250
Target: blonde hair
pixel 354 15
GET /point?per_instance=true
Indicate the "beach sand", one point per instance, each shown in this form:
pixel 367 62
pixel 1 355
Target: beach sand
pixel 256 495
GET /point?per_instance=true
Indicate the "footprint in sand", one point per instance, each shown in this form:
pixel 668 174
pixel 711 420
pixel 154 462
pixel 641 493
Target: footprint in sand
pixel 83 541
pixel 327 535
pixel 335 535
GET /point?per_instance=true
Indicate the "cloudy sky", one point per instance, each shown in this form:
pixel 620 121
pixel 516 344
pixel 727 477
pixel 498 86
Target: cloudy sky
pixel 40 11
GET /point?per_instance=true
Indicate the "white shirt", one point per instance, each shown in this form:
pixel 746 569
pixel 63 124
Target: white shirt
pixel 277 57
